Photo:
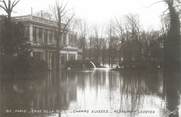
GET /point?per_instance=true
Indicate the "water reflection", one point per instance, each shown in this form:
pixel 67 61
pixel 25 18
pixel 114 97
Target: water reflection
pixel 127 93
pixel 172 92
pixel 137 86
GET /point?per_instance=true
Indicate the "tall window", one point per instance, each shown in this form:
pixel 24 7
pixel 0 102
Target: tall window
pixel 64 39
pixel 34 34
pixel 45 36
pixel 53 37
pixel 27 32
pixel 40 34
pixel 50 36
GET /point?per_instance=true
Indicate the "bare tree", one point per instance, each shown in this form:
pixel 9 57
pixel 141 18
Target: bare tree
pixel 110 35
pixel 172 58
pixel 114 34
pixel 121 33
pixel 172 42
pixel 63 21
pixel 130 46
pixel 81 28
pixel 96 43
pixel 133 25
pixel 119 28
pixel 8 6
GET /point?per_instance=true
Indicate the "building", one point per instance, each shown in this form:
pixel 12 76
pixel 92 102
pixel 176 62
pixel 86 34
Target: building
pixel 42 34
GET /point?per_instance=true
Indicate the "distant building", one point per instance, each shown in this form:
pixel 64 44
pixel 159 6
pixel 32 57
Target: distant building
pixel 42 34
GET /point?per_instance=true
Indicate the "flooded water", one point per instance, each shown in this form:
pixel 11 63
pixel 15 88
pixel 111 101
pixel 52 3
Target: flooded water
pixel 95 93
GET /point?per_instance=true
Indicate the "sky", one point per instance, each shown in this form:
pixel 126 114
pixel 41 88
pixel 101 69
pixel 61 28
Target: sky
pixel 101 12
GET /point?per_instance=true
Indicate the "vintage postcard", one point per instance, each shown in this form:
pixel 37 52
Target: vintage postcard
pixel 90 58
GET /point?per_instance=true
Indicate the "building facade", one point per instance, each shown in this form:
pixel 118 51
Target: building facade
pixel 42 34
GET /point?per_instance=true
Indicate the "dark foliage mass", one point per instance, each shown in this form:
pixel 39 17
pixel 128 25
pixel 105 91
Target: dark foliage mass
pixel 15 49
pixel 13 40
pixel 22 68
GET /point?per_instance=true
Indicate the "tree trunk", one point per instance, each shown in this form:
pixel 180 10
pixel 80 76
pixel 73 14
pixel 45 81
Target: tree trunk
pixel 59 36
pixel 172 41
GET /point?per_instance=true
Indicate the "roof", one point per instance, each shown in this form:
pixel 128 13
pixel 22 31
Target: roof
pixel 36 20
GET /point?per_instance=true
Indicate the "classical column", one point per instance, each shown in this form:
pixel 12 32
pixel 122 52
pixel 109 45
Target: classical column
pixel 31 32
pixel 37 35
pixel 76 56
pixel 67 56
pixel 31 36
pixel 48 37
pixel 43 36
pixel 67 38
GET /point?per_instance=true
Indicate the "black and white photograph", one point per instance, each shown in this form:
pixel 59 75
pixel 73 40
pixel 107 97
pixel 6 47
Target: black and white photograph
pixel 90 58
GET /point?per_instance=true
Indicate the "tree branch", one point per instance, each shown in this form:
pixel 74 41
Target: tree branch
pixel 154 3
pixel 67 23
pixel 4 3
pixel 3 8
pixel 14 3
